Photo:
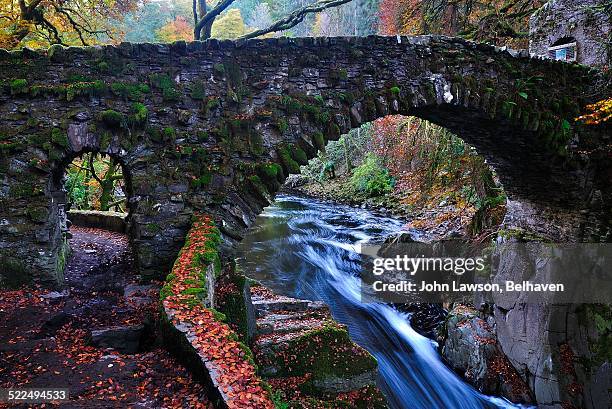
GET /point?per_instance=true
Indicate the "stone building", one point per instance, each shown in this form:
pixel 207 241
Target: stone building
pixel 571 30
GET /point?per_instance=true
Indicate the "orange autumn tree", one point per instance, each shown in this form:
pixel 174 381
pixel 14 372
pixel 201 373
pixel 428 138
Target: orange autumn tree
pixel 177 29
pixel 40 23
pixel 495 21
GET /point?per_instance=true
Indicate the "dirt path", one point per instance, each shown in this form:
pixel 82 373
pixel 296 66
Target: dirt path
pixel 97 337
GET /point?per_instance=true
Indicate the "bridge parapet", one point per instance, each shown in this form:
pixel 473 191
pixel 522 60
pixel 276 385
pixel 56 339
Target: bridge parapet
pixel 217 125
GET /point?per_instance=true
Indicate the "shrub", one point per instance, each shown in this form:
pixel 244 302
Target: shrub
pixel 372 178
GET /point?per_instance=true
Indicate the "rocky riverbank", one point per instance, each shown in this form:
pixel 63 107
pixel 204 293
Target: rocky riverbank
pixel 439 215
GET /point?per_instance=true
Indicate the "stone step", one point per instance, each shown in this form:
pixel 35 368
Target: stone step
pixel 264 306
pixel 287 322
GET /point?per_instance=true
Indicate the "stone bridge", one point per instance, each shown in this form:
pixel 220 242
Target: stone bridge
pixel 216 126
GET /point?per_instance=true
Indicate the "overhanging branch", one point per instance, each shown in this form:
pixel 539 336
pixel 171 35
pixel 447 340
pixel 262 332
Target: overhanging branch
pixel 296 17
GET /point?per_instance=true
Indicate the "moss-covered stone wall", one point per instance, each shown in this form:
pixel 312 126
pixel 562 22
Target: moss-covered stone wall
pixel 217 126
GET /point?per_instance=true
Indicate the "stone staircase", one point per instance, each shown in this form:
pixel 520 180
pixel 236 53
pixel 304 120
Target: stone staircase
pixel 298 343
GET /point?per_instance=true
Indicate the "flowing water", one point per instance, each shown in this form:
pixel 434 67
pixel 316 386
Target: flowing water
pixel 305 248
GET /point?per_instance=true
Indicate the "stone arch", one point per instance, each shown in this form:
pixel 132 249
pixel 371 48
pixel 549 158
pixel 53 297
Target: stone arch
pixel 216 126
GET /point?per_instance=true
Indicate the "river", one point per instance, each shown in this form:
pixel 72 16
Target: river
pixel 305 248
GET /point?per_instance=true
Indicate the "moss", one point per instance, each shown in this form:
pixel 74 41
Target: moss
pixel 202 136
pixel 139 114
pixel 59 137
pixel 322 117
pixel 212 104
pixel 94 88
pixel 324 352
pixel 6 146
pixel 103 66
pixel 198 90
pixel 166 291
pixel 130 91
pixel 153 228
pixel 166 85
pixel 319 140
pixel 105 141
pixel 111 118
pixel 258 186
pixel 203 180
pixel 197 291
pixel 219 69
pixel 169 134
pixel 299 155
pixel 38 214
pixel 270 172
pixel 234 307
pixel 19 86
pixel 282 125
pixel 287 160
pixel 14 272
pixel 333 132
pixel 256 144
pixel 170 94
pixel 292 105
pixel 22 190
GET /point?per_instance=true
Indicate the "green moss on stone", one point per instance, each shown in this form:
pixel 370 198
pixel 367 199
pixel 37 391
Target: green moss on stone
pixel 282 125
pixel 325 352
pixel 287 160
pixel 94 88
pixel 139 114
pixel 198 90
pixel 111 118
pixel 166 85
pixel 319 140
pixel 19 86
pixel 219 69
pixel 130 91
pixel 299 155
pixel 59 137
pixel 204 180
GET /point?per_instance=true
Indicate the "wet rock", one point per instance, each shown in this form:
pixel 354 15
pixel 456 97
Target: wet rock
pixel 426 319
pixel 472 350
pixel 126 339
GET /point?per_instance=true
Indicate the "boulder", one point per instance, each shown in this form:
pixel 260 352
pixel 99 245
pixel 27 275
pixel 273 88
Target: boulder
pixel 471 348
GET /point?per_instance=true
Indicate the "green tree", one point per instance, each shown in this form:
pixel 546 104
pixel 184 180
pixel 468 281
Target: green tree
pixel 229 26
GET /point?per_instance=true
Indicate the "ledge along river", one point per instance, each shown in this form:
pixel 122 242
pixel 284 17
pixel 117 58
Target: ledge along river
pixel 305 248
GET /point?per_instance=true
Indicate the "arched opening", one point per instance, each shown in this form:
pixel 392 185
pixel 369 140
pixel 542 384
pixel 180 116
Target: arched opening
pixel 391 171
pixel 409 168
pixel 95 182
pixel 90 194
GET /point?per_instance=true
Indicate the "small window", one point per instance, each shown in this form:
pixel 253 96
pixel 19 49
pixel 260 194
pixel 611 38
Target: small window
pixel 563 49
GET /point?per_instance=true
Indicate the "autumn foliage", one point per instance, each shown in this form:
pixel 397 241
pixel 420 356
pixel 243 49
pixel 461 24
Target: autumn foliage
pixel 175 30
pixel 597 113
pixel 235 373
pixel 492 21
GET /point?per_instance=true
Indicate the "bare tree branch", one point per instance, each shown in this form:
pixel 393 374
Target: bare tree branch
pixel 296 17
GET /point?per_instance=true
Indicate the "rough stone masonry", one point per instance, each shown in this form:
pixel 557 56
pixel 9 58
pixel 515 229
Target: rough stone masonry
pixel 216 127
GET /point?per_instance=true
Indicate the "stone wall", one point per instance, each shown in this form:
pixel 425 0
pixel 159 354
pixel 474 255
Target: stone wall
pixel 216 127
pixel 559 19
pixel 112 221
